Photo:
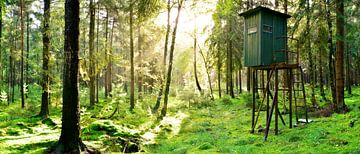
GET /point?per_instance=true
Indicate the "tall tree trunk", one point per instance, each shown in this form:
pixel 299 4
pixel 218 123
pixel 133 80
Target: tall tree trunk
pixel 240 80
pixel 109 67
pixel 348 72
pixel 339 55
pixel 27 76
pixel 171 56
pixel 22 55
pixel 97 51
pixel 91 53
pixel 219 70
pixel 248 79
pixel 132 76
pixel 195 70
pixel 162 80
pixel 230 67
pixel 310 56
pixel 331 53
pixel 44 112
pixel 322 91
pixel 140 75
pixel 1 67
pixel 106 53
pixel 207 67
pixel 70 141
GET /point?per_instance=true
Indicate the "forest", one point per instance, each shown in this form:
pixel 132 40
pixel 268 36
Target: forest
pixel 179 76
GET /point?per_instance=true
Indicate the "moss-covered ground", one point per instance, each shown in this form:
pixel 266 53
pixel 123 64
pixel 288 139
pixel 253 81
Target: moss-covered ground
pixel 221 126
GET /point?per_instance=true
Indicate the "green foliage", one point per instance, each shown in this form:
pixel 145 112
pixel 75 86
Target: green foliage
pixel 224 128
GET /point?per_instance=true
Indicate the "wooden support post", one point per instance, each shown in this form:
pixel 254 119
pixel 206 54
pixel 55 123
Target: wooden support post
pixel 254 102
pixel 267 96
pixel 290 97
pixel 276 102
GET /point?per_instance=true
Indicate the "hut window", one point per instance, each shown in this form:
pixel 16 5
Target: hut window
pixel 252 30
pixel 267 28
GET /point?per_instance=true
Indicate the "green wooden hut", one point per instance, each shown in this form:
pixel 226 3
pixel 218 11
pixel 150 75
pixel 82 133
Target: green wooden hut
pixel 265 30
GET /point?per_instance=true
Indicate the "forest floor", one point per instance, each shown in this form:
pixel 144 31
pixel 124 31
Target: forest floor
pixel 221 126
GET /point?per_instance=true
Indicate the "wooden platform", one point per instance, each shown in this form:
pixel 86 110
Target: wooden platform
pixel 277 66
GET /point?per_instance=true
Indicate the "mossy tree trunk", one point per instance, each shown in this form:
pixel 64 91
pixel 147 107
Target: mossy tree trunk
pixel 46 54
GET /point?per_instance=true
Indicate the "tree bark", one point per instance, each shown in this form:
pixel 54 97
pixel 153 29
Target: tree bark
pixel 331 53
pixel 22 55
pixel 171 56
pixel 106 53
pixel 140 75
pixel 97 51
pixel 70 141
pixel 132 76
pixel 207 67
pixel 109 67
pixel 1 67
pixel 339 55
pixel 348 72
pixel 195 70
pixel 219 70
pixel 91 53
pixel 27 76
pixel 44 112
pixel 310 57
pixel 162 79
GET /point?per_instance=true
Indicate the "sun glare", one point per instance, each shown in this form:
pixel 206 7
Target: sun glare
pixel 198 17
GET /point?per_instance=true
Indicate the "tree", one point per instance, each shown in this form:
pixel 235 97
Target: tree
pixel 171 56
pixel 91 53
pixel 70 141
pixel 339 55
pixel 46 55
pixel 132 76
pixel 22 55
pixel 162 80
pixel 310 56
pixel 331 52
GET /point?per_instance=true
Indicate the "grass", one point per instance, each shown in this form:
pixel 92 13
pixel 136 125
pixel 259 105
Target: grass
pixel 220 126
pixel 224 128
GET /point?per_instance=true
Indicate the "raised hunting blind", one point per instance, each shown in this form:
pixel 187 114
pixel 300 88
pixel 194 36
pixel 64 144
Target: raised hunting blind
pixel 264 32
pixel 267 52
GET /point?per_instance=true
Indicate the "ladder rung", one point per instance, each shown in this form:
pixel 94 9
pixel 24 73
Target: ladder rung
pixel 284 89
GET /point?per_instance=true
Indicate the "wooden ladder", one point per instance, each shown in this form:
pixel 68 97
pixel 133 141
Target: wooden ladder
pixel 300 96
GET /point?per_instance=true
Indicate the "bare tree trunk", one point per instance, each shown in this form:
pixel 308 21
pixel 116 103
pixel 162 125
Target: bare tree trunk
pixel 70 141
pixel 248 80
pixel 207 67
pixel 331 53
pixel 27 76
pixel 162 80
pixel 106 53
pixel 195 70
pixel 140 75
pixel 1 67
pixel 348 72
pixel 219 70
pixel 171 56
pixel 339 55
pixel 109 67
pixel 97 51
pixel 310 57
pixel 132 76
pixel 322 91
pixel 22 55
pixel 91 53
pixel 46 55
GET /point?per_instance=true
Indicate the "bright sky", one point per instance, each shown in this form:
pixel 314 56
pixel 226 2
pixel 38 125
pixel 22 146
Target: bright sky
pixel 187 20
